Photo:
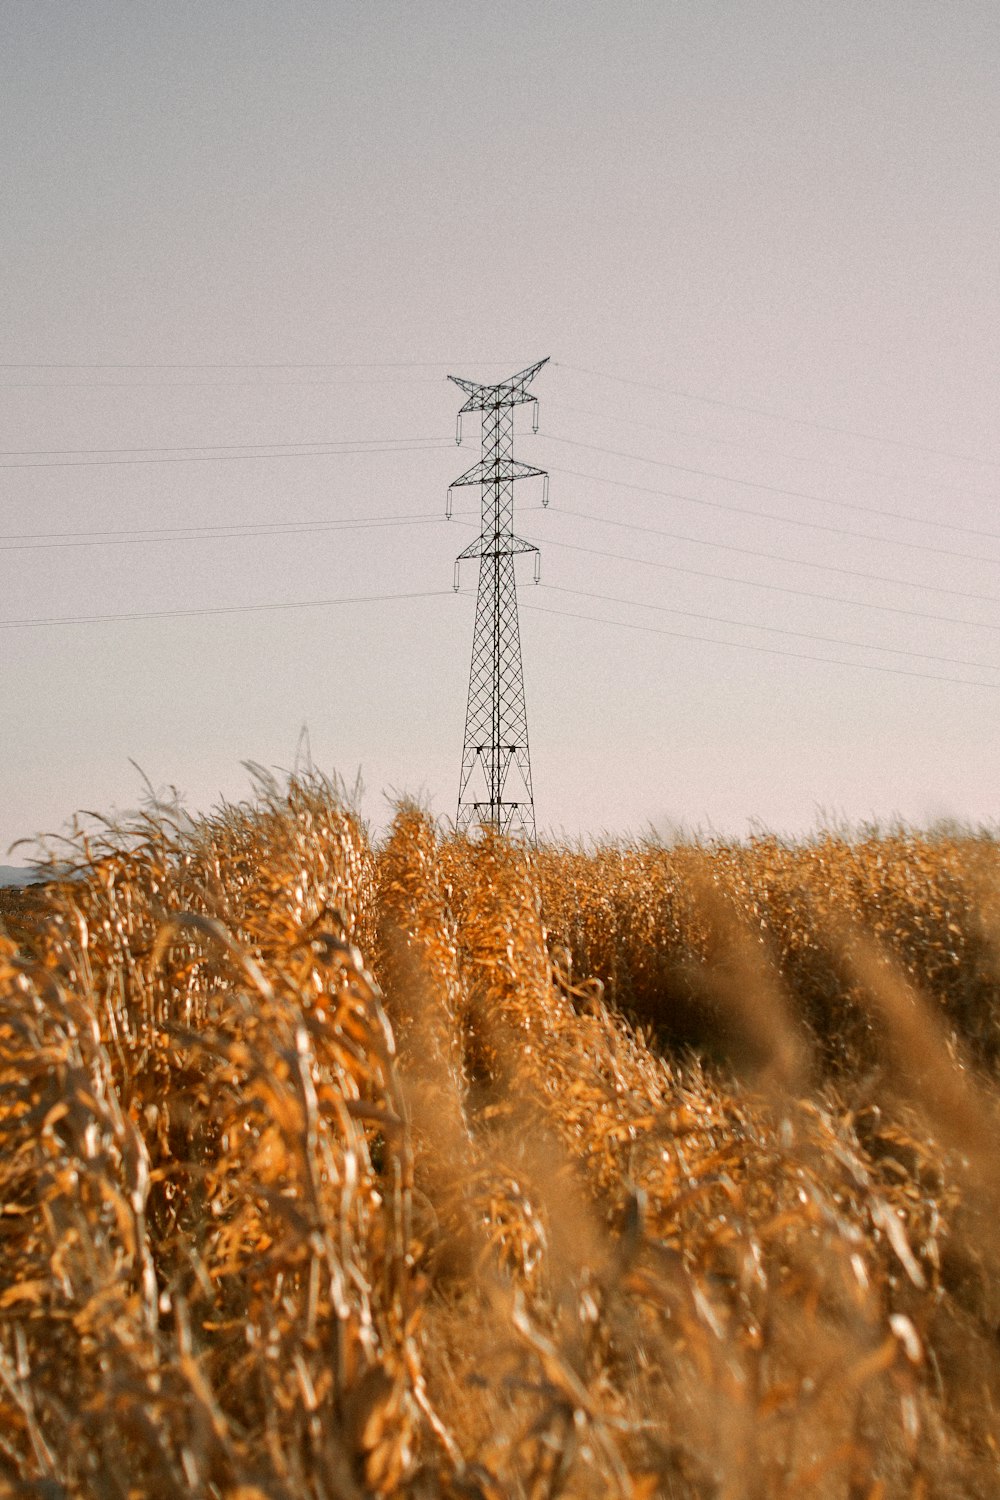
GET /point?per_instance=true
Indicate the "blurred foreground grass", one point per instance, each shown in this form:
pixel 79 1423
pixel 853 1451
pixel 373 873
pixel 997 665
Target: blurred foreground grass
pixel 449 1169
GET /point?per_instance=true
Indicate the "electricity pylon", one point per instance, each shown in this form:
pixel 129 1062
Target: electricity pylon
pixel 495 789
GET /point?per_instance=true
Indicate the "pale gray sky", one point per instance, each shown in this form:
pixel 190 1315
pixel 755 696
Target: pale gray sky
pixel 782 219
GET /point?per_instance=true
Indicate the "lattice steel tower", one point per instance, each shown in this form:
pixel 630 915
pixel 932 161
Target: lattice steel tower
pixel 495 789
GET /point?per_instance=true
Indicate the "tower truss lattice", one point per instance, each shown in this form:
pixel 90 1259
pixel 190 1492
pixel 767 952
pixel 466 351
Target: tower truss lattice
pixel 495 788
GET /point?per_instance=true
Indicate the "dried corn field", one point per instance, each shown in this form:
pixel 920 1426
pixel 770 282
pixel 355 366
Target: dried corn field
pixel 448 1169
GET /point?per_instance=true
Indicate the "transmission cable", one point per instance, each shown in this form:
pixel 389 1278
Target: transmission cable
pixel 219 609
pixel 828 661
pixel 141 532
pixel 221 385
pixel 221 530
pixel 743 445
pixel 777 489
pixel 181 448
pixel 344 450
pixel 796 562
pixel 769 515
pixel 759 411
pixel 208 533
pixel 327 364
pixel 805 635
pixel 775 588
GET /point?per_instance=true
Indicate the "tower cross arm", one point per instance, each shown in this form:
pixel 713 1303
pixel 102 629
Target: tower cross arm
pixel 511 392
pixel 491 546
pixel 488 469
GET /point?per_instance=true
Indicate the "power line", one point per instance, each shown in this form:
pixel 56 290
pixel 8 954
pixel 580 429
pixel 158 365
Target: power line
pixel 679 536
pixel 181 448
pixel 180 385
pixel 828 661
pixel 775 588
pixel 327 364
pixel 402 445
pixel 742 445
pixel 221 609
pixel 776 489
pixel 208 533
pixel 223 530
pixel 220 530
pixel 222 527
pixel 769 515
pixel 805 635
pixel 760 411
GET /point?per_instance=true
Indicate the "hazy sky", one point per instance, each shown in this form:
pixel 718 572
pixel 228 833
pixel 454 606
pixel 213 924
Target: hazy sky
pixel 759 242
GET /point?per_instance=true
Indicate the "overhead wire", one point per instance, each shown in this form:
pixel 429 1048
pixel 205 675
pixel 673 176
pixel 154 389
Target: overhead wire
pixel 444 364
pixel 828 661
pixel 333 447
pixel 181 448
pixel 240 609
pixel 743 445
pixel 806 635
pixel 760 411
pixel 768 515
pixel 777 588
pixel 343 369
pixel 217 609
pixel 221 526
pixel 35 540
pixel 182 385
pixel 343 450
pixel 39 540
pixel 777 489
pixel 359 447
pixel 797 562
pixel 325 364
pixel 208 533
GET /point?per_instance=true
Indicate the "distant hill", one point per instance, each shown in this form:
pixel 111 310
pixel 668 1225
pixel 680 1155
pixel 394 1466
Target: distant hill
pixel 15 875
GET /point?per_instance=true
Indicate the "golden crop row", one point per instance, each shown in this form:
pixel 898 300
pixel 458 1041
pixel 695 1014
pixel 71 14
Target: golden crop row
pixel 334 1171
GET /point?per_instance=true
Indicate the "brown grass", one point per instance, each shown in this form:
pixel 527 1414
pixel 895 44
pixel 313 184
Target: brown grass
pixel 449 1169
